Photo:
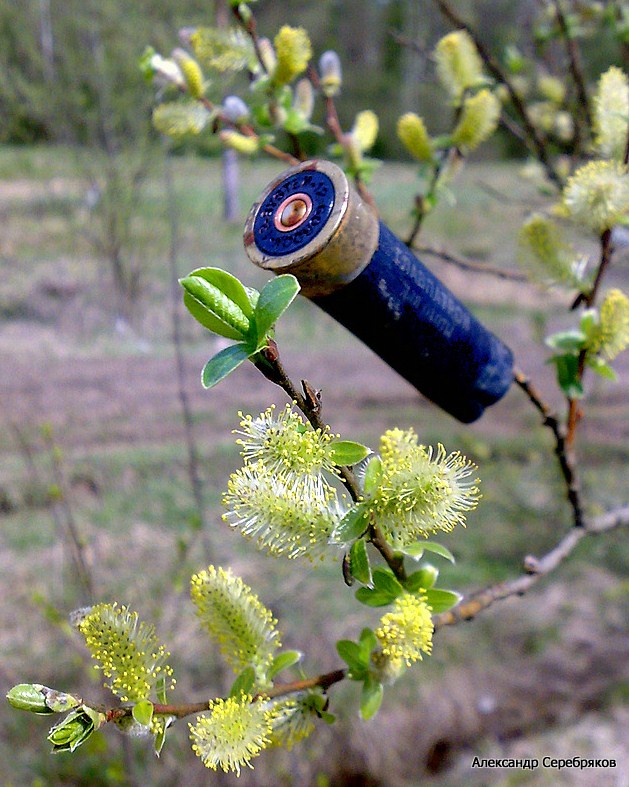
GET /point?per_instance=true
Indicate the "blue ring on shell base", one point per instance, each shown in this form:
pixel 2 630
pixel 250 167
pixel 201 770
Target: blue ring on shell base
pixel 270 240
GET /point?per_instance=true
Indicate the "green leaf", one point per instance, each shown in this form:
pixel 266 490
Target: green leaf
pixel 283 661
pixel 275 297
pixel 160 690
pixel 417 550
pixel 567 341
pixel 180 118
pixel 373 598
pixel 442 600
pixel 600 366
pixel 244 683
pixel 589 324
pixel 368 642
pixel 384 581
pixel 373 475
pixel 386 589
pixel 223 363
pixel 424 578
pixel 568 375
pixel 143 712
pixel 371 697
pixel 160 738
pixel 353 525
pixel 352 655
pixel 230 286
pixel 346 452
pixel 214 308
pixel 30 697
pixel 359 562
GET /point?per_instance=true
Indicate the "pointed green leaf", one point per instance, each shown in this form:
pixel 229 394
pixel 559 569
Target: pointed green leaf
pixel 442 600
pixel 385 582
pixel 567 341
pixel 143 712
pixel 223 363
pixel 568 375
pixel 244 683
pixel 346 452
pixel 373 598
pixel 417 549
pixel 160 738
pixel 351 654
pixel 276 296
pixel 367 643
pixel 230 286
pixel 359 562
pixel 373 474
pixel 353 525
pixel 600 366
pixel 371 697
pixel 160 690
pixel 283 661
pixel 424 578
pixel 213 309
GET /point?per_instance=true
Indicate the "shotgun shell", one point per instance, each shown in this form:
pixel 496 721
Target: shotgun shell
pixel 310 222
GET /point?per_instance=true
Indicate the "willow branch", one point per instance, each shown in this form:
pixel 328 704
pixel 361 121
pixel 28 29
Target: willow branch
pixel 469 265
pixel 180 711
pixel 562 448
pixel 534 138
pixel 534 569
pixel 309 403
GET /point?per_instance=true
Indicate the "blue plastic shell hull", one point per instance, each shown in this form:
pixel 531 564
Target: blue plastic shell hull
pixel 414 323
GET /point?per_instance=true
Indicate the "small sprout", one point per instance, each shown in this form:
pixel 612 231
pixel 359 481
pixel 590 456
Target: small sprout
pixel 235 618
pixel 597 195
pixel 459 66
pixel 247 145
pixel 412 133
pixel 191 71
pixel 544 253
pixel 75 729
pixel 613 331
pixel 611 114
pixel 330 73
pixel 40 699
pixel 235 731
pixel 178 119
pixel 294 51
pixel 478 121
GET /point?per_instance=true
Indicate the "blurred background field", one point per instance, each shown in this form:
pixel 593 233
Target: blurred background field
pixel 92 435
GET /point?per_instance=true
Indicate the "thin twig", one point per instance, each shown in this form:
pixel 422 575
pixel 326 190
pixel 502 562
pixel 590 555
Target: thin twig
pixel 536 141
pixel 574 409
pixel 576 68
pixel 469 265
pixel 194 474
pixel 534 570
pixel 562 450
pixel 271 367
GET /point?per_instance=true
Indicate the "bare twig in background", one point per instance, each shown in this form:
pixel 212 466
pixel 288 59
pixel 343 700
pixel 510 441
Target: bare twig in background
pixel 562 450
pixel 534 569
pixel 576 71
pixel 194 474
pixel 59 505
pixel 536 141
pixel 470 265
